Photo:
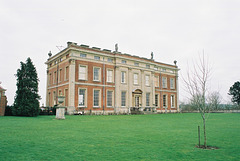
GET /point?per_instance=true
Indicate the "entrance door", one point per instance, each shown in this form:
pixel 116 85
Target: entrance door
pixel 136 101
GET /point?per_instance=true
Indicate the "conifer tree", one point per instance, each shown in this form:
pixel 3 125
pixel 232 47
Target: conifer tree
pixel 26 101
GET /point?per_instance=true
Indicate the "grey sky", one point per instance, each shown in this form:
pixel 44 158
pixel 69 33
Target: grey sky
pixel 172 29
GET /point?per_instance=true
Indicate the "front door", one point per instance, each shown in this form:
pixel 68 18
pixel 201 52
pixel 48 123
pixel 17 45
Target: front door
pixel 136 101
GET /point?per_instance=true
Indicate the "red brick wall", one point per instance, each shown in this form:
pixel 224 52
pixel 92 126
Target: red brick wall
pixel 3 105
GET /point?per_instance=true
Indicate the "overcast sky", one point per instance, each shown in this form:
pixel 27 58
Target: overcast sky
pixel 171 29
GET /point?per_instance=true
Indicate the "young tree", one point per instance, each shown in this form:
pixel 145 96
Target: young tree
pixel 26 101
pixel 234 91
pixel 196 85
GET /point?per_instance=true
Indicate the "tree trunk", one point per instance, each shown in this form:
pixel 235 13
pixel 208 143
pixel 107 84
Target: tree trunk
pixel 204 131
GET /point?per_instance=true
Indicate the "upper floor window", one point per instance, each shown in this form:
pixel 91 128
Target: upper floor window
pixel 172 83
pixel 135 78
pixel 123 77
pixel 66 73
pixel 83 55
pixel 156 81
pixel 147 66
pixel 164 82
pixel 147 81
pixel 109 75
pixel 82 72
pixel 97 57
pixel 110 60
pixel 155 68
pixel 136 64
pixel 124 61
pixel 96 74
pixel 60 75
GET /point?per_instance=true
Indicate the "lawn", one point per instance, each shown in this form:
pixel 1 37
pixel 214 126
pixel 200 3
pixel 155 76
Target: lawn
pixel 122 137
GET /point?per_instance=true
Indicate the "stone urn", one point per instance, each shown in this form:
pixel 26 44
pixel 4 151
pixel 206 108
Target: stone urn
pixel 60 111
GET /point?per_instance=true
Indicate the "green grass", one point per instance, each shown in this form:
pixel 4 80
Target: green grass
pixel 123 137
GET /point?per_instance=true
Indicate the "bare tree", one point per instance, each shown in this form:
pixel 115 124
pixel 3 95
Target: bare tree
pixel 196 83
pixel 214 100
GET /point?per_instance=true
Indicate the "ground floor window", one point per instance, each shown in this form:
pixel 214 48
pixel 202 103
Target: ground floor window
pixel 82 97
pixel 96 99
pixel 147 99
pixel 164 100
pixel 109 98
pixel 156 100
pixel 172 101
pixel 123 98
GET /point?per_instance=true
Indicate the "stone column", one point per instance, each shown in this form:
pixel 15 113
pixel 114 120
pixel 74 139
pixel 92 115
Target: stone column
pixel 71 98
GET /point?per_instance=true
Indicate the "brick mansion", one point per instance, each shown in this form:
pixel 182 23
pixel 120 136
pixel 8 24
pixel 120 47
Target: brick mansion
pixel 102 81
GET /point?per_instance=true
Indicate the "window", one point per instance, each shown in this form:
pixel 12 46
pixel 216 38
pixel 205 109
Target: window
pixel 164 82
pixel 124 61
pixel 164 100
pixel 123 99
pixel 60 75
pixel 66 73
pixel 82 72
pixel 172 83
pixel 135 78
pixel 96 74
pixel 82 97
pixel 97 57
pixel 50 79
pixel 110 60
pixel 147 66
pixel 96 96
pixel 147 99
pixel 155 68
pixel 83 55
pixel 156 81
pixel 156 100
pixel 109 75
pixel 147 77
pixel 172 101
pixel 109 98
pixel 164 69
pixel 136 64
pixel 54 77
pixel 54 98
pixel 123 77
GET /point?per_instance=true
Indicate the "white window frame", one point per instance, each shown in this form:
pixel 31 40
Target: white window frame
pixel 99 74
pixel 123 77
pixel 83 55
pixel 172 83
pixel 96 57
pixel 110 60
pixel 172 101
pixel 124 62
pixel 112 101
pixel 85 74
pixel 108 76
pixel 85 97
pixel 125 101
pixel 135 80
pixel 147 80
pixel 99 99
pixel 164 82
